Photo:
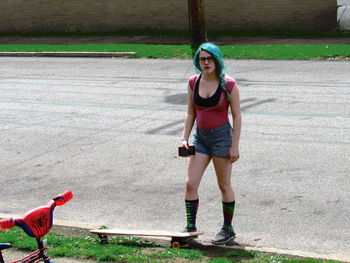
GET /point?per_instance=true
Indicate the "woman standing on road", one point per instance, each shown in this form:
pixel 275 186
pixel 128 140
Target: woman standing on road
pixel 210 94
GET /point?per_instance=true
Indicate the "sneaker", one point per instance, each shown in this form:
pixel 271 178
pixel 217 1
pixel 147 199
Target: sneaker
pixel 223 236
pixel 189 229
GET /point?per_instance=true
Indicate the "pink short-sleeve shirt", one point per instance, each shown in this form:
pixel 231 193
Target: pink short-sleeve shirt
pixel 215 116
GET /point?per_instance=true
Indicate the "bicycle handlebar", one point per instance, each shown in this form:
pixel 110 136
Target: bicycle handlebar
pixel 63 198
pixel 7 223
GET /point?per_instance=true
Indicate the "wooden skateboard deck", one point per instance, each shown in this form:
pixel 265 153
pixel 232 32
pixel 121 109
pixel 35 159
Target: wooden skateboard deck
pixel 178 239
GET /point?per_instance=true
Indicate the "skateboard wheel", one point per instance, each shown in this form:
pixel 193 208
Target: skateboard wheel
pixel 103 240
pixel 175 244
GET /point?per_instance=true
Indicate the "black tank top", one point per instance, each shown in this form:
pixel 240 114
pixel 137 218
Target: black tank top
pixel 206 102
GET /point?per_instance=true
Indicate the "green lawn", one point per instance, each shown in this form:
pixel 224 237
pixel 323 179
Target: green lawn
pixel 185 52
pixel 332 51
pixel 77 243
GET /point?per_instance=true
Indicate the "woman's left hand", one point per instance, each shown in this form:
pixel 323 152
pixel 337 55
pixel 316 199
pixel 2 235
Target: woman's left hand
pixel 233 155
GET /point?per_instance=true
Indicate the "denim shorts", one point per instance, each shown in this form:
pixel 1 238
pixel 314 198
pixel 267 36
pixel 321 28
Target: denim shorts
pixel 214 142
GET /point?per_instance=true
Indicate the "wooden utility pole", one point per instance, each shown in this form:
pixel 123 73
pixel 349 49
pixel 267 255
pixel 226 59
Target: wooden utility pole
pixel 198 30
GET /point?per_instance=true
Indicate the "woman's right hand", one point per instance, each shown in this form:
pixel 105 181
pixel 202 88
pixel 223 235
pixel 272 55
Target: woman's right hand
pixel 184 144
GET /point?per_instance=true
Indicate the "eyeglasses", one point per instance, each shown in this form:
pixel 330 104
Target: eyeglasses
pixel 203 59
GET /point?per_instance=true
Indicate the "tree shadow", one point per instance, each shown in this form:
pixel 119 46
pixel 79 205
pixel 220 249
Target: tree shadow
pixel 181 99
pixel 173 128
pixel 177 99
pixel 232 251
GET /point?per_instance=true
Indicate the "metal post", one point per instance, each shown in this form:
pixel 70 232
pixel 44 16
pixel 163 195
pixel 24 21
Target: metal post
pixel 198 30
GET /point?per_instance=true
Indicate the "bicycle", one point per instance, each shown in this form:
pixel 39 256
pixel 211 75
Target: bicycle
pixel 35 223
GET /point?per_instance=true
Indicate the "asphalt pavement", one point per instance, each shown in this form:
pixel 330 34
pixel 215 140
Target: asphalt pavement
pixel 108 129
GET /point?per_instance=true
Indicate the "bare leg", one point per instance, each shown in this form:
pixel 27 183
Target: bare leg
pixel 195 170
pixel 223 170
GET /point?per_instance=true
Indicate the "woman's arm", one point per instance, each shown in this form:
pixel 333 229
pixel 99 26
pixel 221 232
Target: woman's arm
pixel 236 121
pixel 189 119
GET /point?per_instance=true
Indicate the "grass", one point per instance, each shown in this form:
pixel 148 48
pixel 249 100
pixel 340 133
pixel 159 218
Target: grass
pixel 142 50
pixel 287 51
pixel 80 245
pixel 272 52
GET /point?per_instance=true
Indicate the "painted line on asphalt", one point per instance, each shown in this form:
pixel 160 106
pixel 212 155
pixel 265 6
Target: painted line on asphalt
pixel 134 107
pixel 285 114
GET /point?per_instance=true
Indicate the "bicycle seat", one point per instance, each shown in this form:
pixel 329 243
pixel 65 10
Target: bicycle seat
pixel 38 222
pixel 5 246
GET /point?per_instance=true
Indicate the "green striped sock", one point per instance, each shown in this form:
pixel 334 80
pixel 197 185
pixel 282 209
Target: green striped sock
pixel 228 211
pixel 191 212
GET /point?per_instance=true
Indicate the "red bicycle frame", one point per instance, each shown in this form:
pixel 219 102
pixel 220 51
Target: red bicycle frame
pixel 35 223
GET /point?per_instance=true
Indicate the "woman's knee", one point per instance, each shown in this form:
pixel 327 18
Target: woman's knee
pixel 191 186
pixel 225 188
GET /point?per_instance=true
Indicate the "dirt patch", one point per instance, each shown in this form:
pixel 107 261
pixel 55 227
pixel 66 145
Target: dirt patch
pixel 70 231
pixel 176 40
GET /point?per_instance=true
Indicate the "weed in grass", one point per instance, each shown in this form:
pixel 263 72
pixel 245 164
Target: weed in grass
pixel 241 254
pixel 191 254
pixel 138 258
pixel 220 260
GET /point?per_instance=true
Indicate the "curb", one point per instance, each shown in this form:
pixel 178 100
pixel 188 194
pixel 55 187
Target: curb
pixel 66 54
pixel 303 254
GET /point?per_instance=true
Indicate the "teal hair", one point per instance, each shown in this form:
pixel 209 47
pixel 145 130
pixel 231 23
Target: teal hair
pixel 219 64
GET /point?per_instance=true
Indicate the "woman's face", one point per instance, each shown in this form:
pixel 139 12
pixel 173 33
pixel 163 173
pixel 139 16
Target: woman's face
pixel 206 62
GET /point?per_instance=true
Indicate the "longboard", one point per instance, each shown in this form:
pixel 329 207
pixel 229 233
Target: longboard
pixel 178 239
